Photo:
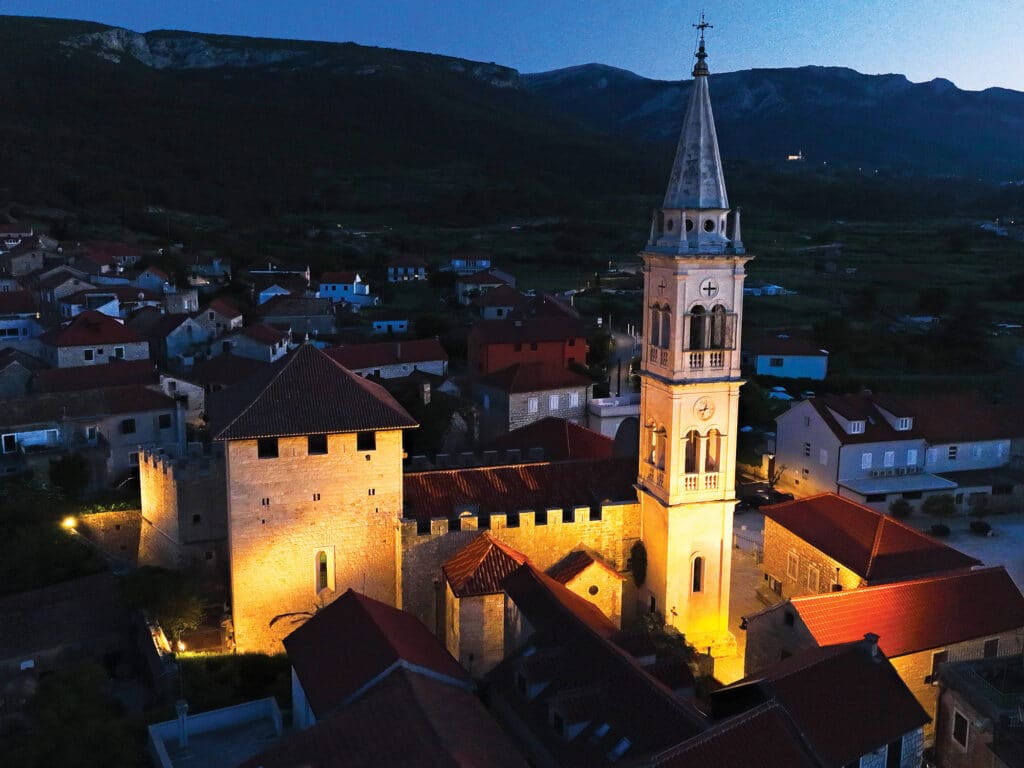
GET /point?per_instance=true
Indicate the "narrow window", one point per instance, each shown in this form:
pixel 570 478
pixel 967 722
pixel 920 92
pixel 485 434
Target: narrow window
pixel 196 519
pixel 714 448
pixel 164 421
pixel 697 328
pixel 574 399
pixel 807 449
pixel 698 574
pixel 777 362
pixel 865 461
pixel 792 565
pixel 666 328
pixel 316 445
pixel 266 448
pixel 119 351
pixel 690 456
pixel 911 457
pixel 889 459
pixel 655 326
pixel 532 405
pixel 991 648
pixel 718 327
pixel 88 354
pixel 10 443
pixel 552 402
pixel 127 426
pixel 321 571
pixel 959 729
pixel 953 450
pixel 939 658
pixel 366 441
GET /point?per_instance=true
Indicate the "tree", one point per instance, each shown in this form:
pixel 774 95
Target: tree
pixel 900 508
pixel 638 563
pixel 775 473
pixel 941 505
pixel 70 473
pixel 169 595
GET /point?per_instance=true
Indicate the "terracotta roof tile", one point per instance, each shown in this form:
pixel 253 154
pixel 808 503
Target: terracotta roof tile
pixel 575 563
pixel 225 308
pixel 91 327
pixel 17 303
pixel 480 566
pixel 502 296
pixel 874 706
pixel 338 277
pixel 483 277
pixel 877 547
pixel 98 402
pixel 356 639
pixel 534 377
pixel 264 334
pixel 957 417
pixel 378 355
pixel 859 408
pixel 562 440
pixel 113 374
pixel 227 370
pixel 406 719
pixel 512 488
pixel 917 615
pixel 304 393
pixel 527 330
pixel 775 345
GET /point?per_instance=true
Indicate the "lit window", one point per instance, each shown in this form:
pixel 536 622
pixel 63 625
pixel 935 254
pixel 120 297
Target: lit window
pixel 889 459
pixel 574 399
pixel 322 571
pixel 953 451
pixel 856 427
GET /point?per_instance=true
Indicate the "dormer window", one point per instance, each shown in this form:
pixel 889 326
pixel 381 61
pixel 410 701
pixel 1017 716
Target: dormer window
pixel 904 423
pixel 856 428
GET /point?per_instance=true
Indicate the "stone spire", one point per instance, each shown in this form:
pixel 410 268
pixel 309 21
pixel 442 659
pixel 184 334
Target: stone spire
pixel 697 181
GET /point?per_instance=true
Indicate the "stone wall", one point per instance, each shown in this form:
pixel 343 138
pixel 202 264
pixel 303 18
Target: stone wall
pixel 600 587
pixel 116 533
pixel 780 543
pixel 284 511
pixel 545 541
pixel 184 509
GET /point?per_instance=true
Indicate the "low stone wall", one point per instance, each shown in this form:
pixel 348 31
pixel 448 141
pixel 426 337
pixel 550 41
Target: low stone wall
pixel 115 533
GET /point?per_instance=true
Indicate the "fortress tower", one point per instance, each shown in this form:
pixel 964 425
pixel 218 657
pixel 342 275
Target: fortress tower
pixel 690 381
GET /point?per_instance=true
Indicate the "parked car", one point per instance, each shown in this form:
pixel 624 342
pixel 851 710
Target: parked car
pixel 762 497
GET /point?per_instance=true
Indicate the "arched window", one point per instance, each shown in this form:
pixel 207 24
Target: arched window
pixel 322 575
pixel 718 327
pixel 666 327
pixel 697 324
pixel 691 449
pixel 652 454
pixel 655 326
pixel 697 572
pixel 713 458
pixel 661 441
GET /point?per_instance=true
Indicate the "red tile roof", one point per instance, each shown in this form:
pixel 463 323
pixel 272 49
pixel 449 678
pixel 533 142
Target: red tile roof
pixel 575 563
pixel 790 345
pixel 561 440
pixel 227 369
pixel 405 720
pixel 917 615
pixel 548 602
pixel 224 307
pixel 347 278
pixel 378 355
pixel 355 640
pixel 304 393
pixel 957 417
pixel 264 334
pixel 97 403
pixel 534 377
pixel 763 737
pixel 17 303
pixel 90 328
pixel 877 547
pixel 847 700
pixel 528 330
pixel 113 374
pixel 481 566
pixel 859 408
pixel 502 296
pixel 483 277
pixel 512 488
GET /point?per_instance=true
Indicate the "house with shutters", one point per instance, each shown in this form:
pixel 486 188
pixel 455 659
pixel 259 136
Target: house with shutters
pixel 875 449
pixel 92 338
pixel 19 317
pixel 219 317
pixel 403 269
pixel 525 393
pixel 787 357
pixel 347 287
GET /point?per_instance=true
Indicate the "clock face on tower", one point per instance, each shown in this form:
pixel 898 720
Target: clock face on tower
pixel 704 408
pixel 708 288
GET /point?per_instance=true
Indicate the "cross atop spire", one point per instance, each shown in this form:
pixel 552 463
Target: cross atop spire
pixel 700 69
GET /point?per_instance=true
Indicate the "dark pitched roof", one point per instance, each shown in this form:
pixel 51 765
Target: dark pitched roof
pixel 406 719
pixel 573 564
pixel 516 487
pixel 917 615
pixel 873 707
pixel 763 737
pixel 264 334
pixel 785 345
pixel 91 327
pixel 295 306
pixel 338 277
pixel 547 602
pixel 859 408
pixel 227 369
pixel 875 546
pixel 481 566
pixel 534 377
pixel 358 356
pixel 483 277
pixel 955 417
pixel 304 393
pixel 113 374
pixel 17 303
pixel 530 329
pixel 94 403
pixel 561 440
pixel 353 642
pixel 502 296
pixel 224 307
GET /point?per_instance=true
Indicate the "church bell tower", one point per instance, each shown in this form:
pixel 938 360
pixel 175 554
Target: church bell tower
pixel 690 383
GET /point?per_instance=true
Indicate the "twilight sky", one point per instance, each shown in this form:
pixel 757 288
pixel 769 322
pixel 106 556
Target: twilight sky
pixel 974 43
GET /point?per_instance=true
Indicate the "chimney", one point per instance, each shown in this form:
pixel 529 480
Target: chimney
pixel 871 642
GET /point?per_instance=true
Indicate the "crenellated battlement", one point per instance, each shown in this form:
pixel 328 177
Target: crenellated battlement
pixel 523 519
pixel 199 461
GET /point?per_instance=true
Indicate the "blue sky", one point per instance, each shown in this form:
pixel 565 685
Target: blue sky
pixel 974 43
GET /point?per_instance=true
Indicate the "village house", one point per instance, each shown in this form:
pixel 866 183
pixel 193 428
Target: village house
pixel 787 357
pixel 347 287
pixel 153 279
pixel 875 449
pixel 260 342
pixel 468 287
pixel 19 317
pixel 177 302
pixel 267 286
pixel 979 720
pixel 828 543
pixel 526 392
pixel 16 371
pixel 498 303
pixel 220 316
pixel 402 269
pixel 24 257
pixel 54 284
pixel 393 359
pixel 113 300
pixel 920 624
pixel 175 341
pixel 497 344
pixel 92 338
pixel 390 326
pixel 468 263
pixel 303 315
pixel 103 258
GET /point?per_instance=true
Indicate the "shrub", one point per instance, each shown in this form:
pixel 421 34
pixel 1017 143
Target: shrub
pixel 980 527
pixel 940 530
pixel 900 508
pixel 638 563
pixel 941 505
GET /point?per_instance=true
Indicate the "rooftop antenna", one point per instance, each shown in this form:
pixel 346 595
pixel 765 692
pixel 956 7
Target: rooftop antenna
pixel 701 67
